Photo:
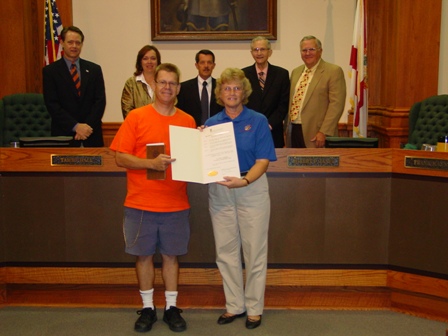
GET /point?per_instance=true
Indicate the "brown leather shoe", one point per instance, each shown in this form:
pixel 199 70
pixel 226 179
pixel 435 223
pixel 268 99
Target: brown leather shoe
pixel 227 318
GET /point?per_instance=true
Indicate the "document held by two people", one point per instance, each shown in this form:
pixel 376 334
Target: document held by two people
pixel 204 156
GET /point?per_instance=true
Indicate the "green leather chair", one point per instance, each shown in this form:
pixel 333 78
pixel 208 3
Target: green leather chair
pixel 428 120
pixel 23 115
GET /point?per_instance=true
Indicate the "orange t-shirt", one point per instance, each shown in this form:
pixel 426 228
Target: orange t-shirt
pixel 142 126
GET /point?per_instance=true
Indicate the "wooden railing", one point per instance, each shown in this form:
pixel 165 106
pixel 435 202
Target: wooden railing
pixel 381 160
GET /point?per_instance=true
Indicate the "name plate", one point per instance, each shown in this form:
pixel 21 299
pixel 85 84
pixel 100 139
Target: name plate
pixel 76 160
pixel 425 163
pixel 313 161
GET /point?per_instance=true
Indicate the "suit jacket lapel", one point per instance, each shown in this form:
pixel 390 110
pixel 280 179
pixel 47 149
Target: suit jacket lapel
pixel 65 73
pixel 195 92
pixel 213 98
pixel 67 77
pixel 254 75
pixel 85 76
pixel 269 79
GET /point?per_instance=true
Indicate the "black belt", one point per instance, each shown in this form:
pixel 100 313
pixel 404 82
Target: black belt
pixel 243 174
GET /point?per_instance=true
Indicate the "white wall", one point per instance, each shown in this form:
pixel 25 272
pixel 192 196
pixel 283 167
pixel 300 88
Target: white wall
pixel 115 30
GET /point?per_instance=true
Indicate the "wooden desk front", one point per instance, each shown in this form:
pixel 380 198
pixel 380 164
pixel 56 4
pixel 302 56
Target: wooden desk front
pixel 368 211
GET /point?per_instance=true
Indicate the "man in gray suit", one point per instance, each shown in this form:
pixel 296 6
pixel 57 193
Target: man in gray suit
pixel 317 98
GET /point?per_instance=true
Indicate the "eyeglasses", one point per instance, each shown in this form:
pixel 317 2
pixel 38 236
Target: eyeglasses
pixel 259 49
pixel 230 89
pixel 310 50
pixel 165 83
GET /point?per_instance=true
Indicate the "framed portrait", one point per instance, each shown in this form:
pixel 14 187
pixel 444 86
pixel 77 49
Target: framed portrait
pixel 195 20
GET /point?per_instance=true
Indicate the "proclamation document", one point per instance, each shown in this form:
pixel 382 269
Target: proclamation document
pixel 204 157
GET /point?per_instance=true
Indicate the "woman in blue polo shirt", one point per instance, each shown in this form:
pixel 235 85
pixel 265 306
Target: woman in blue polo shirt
pixel 240 206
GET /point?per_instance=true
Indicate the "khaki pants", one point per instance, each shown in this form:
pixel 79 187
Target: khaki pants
pixel 240 218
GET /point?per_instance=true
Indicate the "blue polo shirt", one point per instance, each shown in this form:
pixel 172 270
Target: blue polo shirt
pixel 252 136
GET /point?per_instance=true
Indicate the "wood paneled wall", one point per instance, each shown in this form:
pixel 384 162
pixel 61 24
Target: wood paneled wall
pixel 403 63
pixel 22 43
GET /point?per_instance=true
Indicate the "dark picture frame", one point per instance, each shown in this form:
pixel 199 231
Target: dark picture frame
pixel 240 20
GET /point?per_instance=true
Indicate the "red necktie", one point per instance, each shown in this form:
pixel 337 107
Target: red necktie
pixel 75 77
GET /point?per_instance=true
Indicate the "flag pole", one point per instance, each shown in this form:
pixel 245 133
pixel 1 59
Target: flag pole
pixel 50 20
pixel 52 32
pixel 358 73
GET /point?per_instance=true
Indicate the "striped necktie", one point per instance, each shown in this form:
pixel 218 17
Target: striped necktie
pixel 261 79
pixel 75 77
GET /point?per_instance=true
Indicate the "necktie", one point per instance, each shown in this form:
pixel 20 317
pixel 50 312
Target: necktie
pixel 261 79
pixel 204 103
pixel 299 95
pixel 75 77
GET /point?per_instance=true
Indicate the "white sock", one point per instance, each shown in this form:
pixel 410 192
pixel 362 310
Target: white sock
pixel 147 296
pixel 171 299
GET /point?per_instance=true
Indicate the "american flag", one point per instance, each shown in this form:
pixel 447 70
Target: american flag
pixel 53 28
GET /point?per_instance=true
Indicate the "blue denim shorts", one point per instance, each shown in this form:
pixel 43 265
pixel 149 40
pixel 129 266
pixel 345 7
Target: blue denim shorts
pixel 145 232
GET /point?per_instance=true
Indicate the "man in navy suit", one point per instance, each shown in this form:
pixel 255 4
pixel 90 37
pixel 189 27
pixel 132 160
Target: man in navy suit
pixel 270 88
pixel 190 95
pixel 76 106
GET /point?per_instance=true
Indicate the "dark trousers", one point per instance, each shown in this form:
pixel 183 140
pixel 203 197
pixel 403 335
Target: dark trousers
pixel 297 136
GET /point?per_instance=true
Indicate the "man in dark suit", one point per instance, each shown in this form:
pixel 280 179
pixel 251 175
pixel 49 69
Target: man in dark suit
pixel 190 98
pixel 74 93
pixel 270 88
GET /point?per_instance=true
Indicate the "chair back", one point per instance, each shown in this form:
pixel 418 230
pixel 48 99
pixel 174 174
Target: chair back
pixel 23 115
pixel 428 120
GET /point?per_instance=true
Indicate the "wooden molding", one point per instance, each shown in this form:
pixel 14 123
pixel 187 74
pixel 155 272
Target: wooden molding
pixel 210 276
pixel 191 276
pixel 109 131
pixel 285 289
pixel 39 159
pixel 360 160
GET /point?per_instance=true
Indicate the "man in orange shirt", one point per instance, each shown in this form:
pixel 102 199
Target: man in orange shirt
pixel 156 211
